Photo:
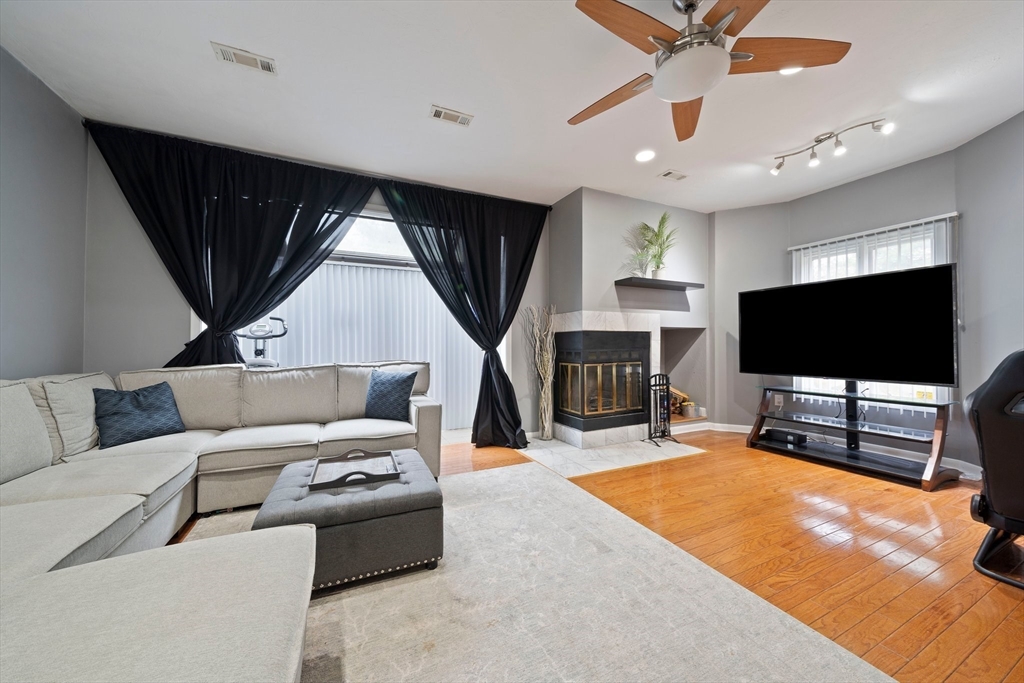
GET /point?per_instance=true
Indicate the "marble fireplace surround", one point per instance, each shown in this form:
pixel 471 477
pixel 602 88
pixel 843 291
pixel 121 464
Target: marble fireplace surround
pixel 609 321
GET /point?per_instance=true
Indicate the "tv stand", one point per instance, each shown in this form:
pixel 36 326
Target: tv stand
pixel 928 475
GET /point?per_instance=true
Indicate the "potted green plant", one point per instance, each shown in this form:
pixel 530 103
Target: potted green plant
pixel 659 241
pixel 639 259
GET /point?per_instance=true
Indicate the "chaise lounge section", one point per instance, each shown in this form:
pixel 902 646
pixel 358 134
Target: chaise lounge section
pixel 67 505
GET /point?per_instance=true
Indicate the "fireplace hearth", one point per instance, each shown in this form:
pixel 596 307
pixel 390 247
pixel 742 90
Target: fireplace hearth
pixel 601 379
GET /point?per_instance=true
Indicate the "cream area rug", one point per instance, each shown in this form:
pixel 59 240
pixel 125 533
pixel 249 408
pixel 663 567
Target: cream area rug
pixel 540 581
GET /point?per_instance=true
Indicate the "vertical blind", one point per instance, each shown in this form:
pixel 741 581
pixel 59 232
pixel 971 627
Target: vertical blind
pixel 928 242
pixel 346 313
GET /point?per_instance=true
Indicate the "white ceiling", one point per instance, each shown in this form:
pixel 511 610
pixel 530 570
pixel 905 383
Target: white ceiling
pixel 357 79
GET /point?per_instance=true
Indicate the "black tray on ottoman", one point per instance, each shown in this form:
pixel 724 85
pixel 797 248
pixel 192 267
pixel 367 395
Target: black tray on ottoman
pixel 363 530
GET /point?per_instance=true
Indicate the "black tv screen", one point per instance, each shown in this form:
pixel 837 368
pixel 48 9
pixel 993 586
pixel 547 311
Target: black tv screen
pixel 891 327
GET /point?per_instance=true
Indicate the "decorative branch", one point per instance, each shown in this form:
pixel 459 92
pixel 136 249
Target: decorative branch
pixel 539 324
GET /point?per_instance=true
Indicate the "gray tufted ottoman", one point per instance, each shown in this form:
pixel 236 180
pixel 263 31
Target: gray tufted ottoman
pixel 363 531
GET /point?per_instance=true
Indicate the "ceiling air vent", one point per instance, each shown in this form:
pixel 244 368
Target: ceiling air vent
pixel 671 175
pixel 449 115
pixel 243 58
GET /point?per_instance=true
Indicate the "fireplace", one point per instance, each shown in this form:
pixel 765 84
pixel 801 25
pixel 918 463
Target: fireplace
pixel 601 379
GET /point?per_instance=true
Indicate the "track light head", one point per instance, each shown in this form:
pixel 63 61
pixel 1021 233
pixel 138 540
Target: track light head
pixel 840 149
pixel 883 128
pixel 778 167
pixel 814 161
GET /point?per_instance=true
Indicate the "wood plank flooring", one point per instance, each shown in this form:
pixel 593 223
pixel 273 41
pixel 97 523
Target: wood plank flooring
pixel 465 457
pixel 883 569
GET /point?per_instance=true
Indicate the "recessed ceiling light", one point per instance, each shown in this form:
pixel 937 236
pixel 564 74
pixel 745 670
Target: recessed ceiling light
pixel 644 155
pixel 791 70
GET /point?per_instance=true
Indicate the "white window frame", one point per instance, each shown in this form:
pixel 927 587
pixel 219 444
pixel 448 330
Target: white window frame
pixel 852 255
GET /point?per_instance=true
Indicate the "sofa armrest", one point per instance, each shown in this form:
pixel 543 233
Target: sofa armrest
pixel 425 416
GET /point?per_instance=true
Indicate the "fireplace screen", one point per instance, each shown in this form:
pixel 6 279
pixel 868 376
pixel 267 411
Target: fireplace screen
pixel 600 388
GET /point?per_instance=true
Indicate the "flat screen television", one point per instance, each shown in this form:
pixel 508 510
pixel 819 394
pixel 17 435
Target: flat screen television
pixel 890 327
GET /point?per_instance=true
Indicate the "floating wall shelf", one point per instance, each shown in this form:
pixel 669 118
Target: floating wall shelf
pixel 652 283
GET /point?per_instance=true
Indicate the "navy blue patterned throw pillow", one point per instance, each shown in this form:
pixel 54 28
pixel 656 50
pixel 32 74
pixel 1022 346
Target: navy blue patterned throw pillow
pixel 388 395
pixel 127 416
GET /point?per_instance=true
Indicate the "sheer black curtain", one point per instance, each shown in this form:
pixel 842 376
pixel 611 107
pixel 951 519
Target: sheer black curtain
pixel 238 232
pixel 477 252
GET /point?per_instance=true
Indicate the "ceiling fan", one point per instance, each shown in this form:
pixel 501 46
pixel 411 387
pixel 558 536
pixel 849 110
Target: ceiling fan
pixel 691 62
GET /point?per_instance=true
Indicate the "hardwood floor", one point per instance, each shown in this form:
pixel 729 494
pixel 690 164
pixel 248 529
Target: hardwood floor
pixel 883 569
pixel 465 457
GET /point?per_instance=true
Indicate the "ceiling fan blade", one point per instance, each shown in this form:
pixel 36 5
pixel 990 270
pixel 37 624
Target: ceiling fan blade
pixel 772 54
pixel 723 23
pixel 632 25
pixel 684 117
pixel 628 91
pixel 746 10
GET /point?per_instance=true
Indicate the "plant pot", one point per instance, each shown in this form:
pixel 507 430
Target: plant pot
pixel 659 274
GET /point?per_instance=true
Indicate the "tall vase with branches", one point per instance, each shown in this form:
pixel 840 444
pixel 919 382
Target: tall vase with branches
pixel 539 325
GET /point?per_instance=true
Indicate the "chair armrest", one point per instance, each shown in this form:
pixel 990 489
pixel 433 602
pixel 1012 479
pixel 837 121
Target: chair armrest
pixel 425 416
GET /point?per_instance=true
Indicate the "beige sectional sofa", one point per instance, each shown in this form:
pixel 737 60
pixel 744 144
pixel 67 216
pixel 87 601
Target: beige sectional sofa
pixel 65 503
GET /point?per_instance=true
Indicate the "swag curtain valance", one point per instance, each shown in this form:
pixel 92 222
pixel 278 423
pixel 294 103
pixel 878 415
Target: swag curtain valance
pixel 238 232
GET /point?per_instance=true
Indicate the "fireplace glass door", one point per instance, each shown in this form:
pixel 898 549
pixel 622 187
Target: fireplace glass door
pixel 601 388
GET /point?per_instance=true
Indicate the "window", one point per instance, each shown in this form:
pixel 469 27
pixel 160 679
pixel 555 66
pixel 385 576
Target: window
pixel 373 233
pixel 369 301
pixel 913 245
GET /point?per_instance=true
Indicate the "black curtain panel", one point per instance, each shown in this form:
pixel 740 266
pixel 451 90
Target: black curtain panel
pixel 238 232
pixel 477 252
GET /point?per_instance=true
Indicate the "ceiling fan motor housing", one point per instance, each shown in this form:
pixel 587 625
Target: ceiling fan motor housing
pixel 692 71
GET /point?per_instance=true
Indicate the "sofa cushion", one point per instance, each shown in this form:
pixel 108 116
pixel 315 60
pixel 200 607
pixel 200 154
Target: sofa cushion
pixel 289 395
pixel 376 435
pixel 259 447
pixel 53 534
pixel 222 609
pixel 128 416
pixel 35 387
pixel 387 397
pixel 208 396
pixel 186 442
pixel 353 381
pixel 24 444
pixel 156 477
pixel 74 409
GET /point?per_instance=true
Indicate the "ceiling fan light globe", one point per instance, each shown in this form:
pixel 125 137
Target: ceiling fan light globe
pixel 691 73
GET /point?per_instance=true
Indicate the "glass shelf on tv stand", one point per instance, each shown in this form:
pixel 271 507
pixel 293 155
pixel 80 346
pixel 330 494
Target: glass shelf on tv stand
pixel 921 403
pixel 861 427
pixel 930 474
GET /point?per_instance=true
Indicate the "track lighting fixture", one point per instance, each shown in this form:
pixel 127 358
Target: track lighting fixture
pixel 878 125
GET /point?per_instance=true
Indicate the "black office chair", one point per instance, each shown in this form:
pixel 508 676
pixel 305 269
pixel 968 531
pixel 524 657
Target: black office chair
pixel 996 412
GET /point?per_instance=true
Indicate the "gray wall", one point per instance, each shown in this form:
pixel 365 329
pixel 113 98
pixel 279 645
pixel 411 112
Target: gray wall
pixel 990 199
pixel 749 253
pixel 907 193
pixel 42 227
pixel 565 225
pixel 982 179
pixel 606 217
pixel 135 317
